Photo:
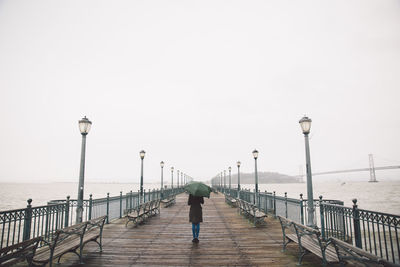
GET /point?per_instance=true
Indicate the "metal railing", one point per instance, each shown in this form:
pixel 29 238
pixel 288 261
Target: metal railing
pixel 375 232
pixel 22 224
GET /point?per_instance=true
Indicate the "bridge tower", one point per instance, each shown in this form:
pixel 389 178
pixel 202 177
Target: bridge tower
pixel 372 176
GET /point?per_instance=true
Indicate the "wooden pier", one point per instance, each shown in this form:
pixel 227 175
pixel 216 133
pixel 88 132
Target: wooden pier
pixel 226 239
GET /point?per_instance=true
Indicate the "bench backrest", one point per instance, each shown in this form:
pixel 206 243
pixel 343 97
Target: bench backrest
pixel 77 231
pixel 241 204
pixel 68 233
pixel 97 223
pixel 286 224
pixel 302 231
pixel 19 252
pixel 346 251
pixel 314 235
pixel 147 206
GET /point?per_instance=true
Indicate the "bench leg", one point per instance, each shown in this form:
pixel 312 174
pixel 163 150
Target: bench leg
pixel 285 243
pixel 99 243
pixel 301 256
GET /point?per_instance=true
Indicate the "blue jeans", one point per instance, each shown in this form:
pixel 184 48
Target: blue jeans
pixel 195 230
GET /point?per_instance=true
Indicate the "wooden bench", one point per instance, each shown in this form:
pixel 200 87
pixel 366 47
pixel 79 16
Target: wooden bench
pixel 20 252
pixel 168 201
pixel 135 215
pixel 142 212
pixel 70 239
pixel 308 240
pixel 251 212
pixel 155 207
pixel 231 201
pixel 348 253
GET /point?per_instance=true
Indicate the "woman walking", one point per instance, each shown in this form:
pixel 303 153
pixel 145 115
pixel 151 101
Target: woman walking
pixel 195 215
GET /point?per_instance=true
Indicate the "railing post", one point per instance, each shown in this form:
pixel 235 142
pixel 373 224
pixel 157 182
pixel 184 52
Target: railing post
pixel 90 206
pixel 108 207
pixel 301 209
pixel 286 212
pixel 144 195
pixel 47 225
pixel 274 204
pixel 28 221
pixel 138 198
pixel 127 198
pixel 356 223
pixel 66 212
pixel 321 212
pixel 120 204
pixel 131 200
pixel 266 200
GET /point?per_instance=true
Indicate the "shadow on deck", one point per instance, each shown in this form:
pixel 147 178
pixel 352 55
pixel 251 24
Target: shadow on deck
pixel 226 239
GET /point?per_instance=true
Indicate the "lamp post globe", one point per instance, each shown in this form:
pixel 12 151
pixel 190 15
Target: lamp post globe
pixel 238 178
pixel 141 153
pixel 84 127
pixel 305 124
pixel 255 153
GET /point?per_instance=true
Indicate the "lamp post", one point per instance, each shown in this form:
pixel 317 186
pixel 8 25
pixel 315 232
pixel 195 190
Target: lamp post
pixel 224 181
pixel 142 153
pixel 305 124
pixel 230 170
pixel 255 155
pixel 84 127
pixel 238 165
pixel 162 174
pixel 172 177
pixel 177 177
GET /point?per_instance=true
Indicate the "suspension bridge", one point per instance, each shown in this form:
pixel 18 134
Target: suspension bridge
pixel 371 169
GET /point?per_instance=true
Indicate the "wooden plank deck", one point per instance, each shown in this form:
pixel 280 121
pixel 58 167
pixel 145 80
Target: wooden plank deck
pixel 226 239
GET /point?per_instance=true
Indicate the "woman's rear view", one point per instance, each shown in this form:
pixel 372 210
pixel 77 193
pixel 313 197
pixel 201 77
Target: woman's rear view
pixel 195 215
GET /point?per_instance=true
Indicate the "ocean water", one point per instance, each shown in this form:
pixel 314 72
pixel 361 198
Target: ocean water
pixel 383 196
pixel 15 195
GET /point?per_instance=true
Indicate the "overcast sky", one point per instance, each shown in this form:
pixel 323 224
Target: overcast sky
pixel 197 84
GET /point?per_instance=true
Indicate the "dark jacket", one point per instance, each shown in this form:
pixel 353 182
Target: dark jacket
pixel 195 213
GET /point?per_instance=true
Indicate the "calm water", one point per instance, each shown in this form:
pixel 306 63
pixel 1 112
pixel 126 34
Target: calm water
pixel 382 196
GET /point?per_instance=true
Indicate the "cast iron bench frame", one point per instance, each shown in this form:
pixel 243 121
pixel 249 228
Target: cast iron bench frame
pixel 309 241
pixel 347 252
pixel 231 201
pixel 70 239
pixel 19 252
pixel 142 212
pixel 169 201
pixel 251 212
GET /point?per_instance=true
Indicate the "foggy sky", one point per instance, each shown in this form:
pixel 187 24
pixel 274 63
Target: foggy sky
pixel 197 84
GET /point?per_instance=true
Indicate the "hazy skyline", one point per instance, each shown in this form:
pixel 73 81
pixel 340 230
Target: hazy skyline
pixel 196 84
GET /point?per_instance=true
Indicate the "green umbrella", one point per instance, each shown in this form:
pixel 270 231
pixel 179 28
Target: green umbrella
pixel 198 189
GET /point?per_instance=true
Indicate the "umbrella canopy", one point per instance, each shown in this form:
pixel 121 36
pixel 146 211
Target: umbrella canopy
pixel 198 189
